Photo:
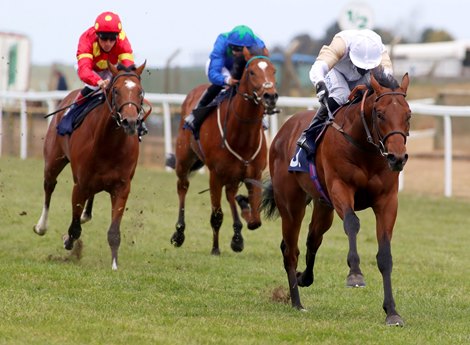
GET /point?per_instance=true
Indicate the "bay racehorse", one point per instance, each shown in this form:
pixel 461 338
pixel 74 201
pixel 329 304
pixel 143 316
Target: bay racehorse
pixel 103 154
pixel 357 165
pixel 232 145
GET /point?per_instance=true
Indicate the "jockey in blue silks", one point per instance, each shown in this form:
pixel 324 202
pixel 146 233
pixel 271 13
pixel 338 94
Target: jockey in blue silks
pixel 222 68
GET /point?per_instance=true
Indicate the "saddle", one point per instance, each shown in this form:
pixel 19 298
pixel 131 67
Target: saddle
pixel 75 116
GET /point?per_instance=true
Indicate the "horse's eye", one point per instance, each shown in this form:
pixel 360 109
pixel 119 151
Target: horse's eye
pixel 252 73
pixel 380 116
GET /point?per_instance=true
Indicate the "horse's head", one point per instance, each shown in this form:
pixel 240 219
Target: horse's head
pixel 258 82
pixel 126 96
pixel 391 116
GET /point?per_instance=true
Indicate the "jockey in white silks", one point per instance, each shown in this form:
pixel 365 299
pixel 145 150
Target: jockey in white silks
pixel 341 66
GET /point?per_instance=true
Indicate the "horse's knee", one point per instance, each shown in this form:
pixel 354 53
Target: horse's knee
pixel 216 219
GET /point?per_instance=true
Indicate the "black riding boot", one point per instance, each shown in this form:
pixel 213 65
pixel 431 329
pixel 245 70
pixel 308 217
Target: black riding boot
pixel 194 120
pixel 318 120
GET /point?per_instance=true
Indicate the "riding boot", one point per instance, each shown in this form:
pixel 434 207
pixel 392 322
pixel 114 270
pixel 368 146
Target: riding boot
pixel 195 119
pixel 318 120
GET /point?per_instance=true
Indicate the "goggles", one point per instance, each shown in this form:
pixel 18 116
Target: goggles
pixel 107 36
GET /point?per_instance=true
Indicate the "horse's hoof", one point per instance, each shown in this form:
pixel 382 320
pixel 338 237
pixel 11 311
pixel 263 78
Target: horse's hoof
pixel 394 320
pixel 215 251
pixel 253 225
pixel 355 280
pixel 303 280
pixel 68 242
pixel 237 243
pixel 39 231
pixel 177 239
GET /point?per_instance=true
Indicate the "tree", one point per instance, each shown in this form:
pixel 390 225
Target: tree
pixel 435 35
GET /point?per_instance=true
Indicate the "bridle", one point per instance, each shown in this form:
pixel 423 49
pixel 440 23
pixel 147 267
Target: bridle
pixel 255 97
pixel 380 145
pixel 115 109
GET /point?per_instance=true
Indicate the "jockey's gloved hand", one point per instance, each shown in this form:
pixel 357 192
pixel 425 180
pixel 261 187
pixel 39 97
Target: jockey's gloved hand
pixel 322 91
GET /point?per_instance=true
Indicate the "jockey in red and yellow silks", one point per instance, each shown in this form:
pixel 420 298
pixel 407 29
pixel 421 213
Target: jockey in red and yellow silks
pixel 96 48
pixel 103 43
pixel 92 59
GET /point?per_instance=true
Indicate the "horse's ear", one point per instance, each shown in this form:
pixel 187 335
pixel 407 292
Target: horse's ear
pixel 246 53
pixel 375 84
pixel 113 69
pixel 265 51
pixel 405 82
pixel 140 69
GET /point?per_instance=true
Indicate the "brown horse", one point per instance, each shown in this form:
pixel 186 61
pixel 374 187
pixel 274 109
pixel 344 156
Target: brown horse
pixel 233 147
pixel 103 154
pixel 357 165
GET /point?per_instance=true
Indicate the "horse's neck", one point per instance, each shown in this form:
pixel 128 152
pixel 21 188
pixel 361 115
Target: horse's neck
pixel 241 119
pixel 106 129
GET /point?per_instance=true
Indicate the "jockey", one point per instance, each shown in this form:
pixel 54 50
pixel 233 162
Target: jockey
pixel 103 43
pixel 341 66
pixel 221 69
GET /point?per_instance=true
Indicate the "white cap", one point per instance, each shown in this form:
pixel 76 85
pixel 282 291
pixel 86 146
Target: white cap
pixel 366 50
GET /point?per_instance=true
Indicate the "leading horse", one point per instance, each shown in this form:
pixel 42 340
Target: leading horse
pixel 357 166
pixel 103 154
pixel 233 147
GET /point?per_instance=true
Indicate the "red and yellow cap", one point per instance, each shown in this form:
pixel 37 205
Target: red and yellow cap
pixel 108 22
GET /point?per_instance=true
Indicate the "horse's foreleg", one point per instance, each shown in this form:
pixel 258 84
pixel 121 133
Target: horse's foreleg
pixel 291 206
pixel 177 238
pixel 237 244
pixel 384 230
pixel 351 226
pixel 118 202
pixel 87 212
pixel 322 218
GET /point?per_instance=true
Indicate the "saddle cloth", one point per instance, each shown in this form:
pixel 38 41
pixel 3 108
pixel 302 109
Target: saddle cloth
pixel 75 117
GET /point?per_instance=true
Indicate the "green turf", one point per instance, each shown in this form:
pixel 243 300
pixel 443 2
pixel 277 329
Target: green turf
pixel 167 295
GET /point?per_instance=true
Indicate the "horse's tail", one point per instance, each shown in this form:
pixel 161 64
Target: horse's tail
pixel 170 162
pixel 268 204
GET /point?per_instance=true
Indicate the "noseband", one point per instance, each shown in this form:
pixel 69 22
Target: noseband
pixel 381 138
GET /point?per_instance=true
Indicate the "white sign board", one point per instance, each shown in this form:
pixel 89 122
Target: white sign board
pixel 356 15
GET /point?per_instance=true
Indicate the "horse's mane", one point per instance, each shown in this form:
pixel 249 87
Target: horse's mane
pixel 384 79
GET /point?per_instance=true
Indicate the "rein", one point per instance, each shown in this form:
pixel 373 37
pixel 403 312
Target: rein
pixel 227 145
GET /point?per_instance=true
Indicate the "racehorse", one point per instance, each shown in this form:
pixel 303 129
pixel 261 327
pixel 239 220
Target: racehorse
pixel 103 154
pixel 357 164
pixel 232 145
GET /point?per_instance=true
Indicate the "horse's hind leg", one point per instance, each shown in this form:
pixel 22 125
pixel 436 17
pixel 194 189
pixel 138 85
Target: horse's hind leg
pixel 250 205
pixel 52 169
pixel 87 213
pixel 75 228
pixel 237 244
pixel 322 218
pixel 217 216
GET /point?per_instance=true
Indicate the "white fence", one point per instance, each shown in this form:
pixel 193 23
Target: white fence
pixel 423 107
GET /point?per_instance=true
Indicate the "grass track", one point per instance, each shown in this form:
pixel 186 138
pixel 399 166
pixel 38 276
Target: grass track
pixel 164 295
